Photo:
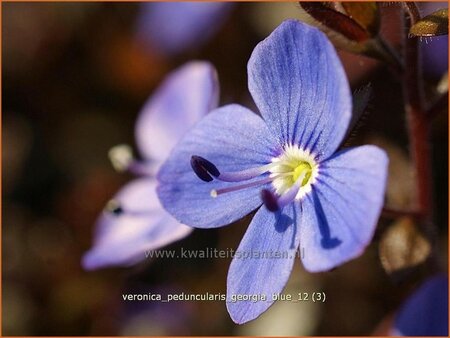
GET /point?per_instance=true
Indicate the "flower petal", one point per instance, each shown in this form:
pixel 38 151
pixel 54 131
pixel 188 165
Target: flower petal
pixel 144 225
pixel 341 212
pixel 425 312
pixel 185 96
pixel 174 27
pixel 234 139
pixel 263 262
pixel 300 88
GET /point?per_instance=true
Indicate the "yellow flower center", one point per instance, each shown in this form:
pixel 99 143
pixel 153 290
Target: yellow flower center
pixel 303 169
pixel 292 165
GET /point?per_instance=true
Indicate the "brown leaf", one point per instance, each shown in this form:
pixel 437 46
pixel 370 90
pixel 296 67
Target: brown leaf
pixel 366 14
pixel 402 246
pixel 352 27
pixel 336 21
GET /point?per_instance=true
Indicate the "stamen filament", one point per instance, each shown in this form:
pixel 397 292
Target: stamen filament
pixel 244 175
pixel 139 168
pixel 288 173
pixel 215 193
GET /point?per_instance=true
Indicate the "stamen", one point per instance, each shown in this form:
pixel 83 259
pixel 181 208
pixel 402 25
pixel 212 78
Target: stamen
pixel 207 171
pixel 115 208
pixel 246 174
pixel 269 200
pixel 142 169
pixel 214 193
pixel 203 168
pixel 274 204
pixel 291 174
pixel 121 157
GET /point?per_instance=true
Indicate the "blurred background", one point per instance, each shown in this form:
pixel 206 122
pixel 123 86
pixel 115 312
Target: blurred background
pixel 74 77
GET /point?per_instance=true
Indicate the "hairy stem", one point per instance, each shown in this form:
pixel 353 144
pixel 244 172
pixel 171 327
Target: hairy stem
pixel 413 12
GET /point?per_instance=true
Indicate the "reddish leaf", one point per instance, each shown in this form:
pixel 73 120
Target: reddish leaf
pixel 336 21
pixel 366 14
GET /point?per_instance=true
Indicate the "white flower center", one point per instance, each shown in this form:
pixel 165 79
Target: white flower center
pixel 292 165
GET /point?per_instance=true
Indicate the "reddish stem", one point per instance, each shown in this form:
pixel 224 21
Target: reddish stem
pixel 413 12
pixel 418 121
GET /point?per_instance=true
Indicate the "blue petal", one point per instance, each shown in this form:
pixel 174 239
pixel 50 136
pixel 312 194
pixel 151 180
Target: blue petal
pixel 234 139
pixel 434 50
pixel 435 56
pixel 425 312
pixel 174 27
pixel 341 212
pixel 300 88
pixel 185 96
pixel 143 226
pixel 263 262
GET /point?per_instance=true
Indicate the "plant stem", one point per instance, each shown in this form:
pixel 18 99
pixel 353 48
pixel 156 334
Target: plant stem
pixel 418 121
pixel 413 12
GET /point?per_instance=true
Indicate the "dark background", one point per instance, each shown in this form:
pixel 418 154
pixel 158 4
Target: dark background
pixel 74 78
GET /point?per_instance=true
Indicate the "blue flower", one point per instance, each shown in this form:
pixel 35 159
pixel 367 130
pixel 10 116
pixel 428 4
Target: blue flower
pixel 134 221
pixel 425 312
pixel 324 202
pixel 174 27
